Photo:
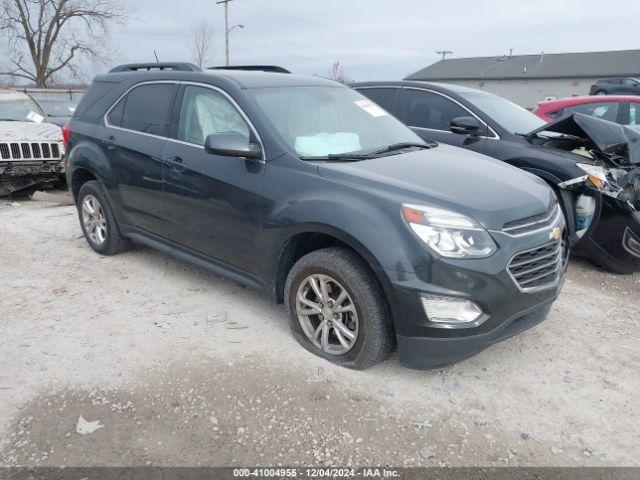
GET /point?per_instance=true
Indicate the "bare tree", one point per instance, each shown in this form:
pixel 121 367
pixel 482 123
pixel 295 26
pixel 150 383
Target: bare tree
pixel 46 37
pixel 338 73
pixel 202 42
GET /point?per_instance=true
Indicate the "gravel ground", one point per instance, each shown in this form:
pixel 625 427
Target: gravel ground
pixel 184 368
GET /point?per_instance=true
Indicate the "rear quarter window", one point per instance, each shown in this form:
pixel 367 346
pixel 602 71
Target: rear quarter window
pixel 145 109
pixel 94 94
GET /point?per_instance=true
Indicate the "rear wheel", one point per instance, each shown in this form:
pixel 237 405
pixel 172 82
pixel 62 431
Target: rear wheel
pixel 98 222
pixel 337 309
pixel 601 92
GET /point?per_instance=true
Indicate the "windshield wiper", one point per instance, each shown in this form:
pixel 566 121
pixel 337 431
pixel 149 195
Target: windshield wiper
pixel 354 157
pixel 9 120
pixel 402 146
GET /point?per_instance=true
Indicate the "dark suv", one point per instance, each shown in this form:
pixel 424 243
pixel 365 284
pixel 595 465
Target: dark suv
pixel 616 86
pixel 303 188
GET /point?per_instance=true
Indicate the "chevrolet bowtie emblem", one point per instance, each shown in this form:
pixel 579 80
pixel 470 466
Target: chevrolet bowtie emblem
pixel 555 234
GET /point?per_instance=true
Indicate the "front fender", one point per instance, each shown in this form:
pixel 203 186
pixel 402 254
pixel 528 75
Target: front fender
pixel 301 201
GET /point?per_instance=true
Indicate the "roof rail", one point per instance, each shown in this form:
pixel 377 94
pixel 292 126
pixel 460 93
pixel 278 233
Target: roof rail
pixel 172 66
pixel 253 68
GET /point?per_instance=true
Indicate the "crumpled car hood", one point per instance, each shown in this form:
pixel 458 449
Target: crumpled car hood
pixel 619 143
pixel 29 131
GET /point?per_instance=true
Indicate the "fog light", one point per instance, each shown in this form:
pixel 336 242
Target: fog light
pixel 451 312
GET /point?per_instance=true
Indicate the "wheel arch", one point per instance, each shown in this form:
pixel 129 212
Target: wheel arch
pixel 310 237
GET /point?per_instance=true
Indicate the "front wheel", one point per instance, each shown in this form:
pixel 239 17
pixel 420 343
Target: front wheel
pixel 337 309
pixel 601 93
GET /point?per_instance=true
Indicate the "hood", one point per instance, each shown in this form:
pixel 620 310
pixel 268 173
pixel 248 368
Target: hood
pixel 29 131
pixel 487 190
pixel 618 143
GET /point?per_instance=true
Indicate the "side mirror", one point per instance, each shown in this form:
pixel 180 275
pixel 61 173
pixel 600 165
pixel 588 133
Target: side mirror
pixel 231 145
pixel 466 126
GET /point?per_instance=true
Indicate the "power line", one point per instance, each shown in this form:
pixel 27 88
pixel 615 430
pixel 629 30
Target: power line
pixel 279 14
pixel 258 45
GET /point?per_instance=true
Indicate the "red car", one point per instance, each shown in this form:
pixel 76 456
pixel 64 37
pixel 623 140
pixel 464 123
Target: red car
pixel 623 109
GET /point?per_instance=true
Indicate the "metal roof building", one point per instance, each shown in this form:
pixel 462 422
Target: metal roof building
pixel 528 79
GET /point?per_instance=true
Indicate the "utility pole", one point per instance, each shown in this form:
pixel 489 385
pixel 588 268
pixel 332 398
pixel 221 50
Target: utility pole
pixel 226 27
pixel 444 53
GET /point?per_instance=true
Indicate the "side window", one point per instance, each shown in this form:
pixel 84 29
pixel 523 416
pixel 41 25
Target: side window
pixel 205 111
pixel 115 115
pixel 145 109
pixel 385 97
pixel 634 113
pixel 603 110
pixel 429 110
pixel 555 114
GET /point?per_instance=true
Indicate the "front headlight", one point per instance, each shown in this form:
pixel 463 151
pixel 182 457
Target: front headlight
pixel 596 174
pixel 449 233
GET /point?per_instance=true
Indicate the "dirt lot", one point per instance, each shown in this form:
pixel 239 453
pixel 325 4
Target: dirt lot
pixel 184 368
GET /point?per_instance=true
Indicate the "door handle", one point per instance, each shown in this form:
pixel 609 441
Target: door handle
pixel 176 163
pixel 109 142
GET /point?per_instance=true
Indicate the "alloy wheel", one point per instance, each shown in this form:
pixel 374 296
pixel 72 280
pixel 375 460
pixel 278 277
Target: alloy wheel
pixel 327 314
pixel 95 222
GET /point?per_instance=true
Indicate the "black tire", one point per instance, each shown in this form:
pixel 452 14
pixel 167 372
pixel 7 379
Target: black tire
pixel 114 242
pixel 601 92
pixel 375 337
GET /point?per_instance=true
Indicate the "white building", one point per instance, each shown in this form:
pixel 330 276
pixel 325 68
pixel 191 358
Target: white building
pixel 528 79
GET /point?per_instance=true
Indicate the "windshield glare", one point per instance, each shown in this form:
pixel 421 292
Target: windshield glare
pixel 513 118
pixel 321 121
pixel 20 109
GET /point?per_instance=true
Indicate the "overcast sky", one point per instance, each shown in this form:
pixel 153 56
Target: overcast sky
pixel 377 39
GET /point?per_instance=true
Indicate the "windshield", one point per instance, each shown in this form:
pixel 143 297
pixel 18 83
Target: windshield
pixel 58 108
pixel 19 108
pixel 321 121
pixel 513 118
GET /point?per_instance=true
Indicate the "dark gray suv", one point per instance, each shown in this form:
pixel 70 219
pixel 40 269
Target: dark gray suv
pixel 305 189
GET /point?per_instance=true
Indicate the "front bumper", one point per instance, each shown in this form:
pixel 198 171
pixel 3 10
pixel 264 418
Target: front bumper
pixel 429 353
pixel 612 241
pixel 508 308
pixel 40 174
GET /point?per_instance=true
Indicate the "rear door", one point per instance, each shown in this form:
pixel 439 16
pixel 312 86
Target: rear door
pixel 429 114
pixel 213 203
pixel 134 138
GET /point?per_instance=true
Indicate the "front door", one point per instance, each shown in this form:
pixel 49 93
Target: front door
pixel 134 139
pixel 213 204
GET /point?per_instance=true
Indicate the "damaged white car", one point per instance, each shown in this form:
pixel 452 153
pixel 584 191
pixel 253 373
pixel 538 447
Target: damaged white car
pixel 31 148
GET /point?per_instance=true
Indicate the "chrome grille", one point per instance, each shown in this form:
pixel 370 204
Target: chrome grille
pixel 536 222
pixel 539 267
pixel 30 151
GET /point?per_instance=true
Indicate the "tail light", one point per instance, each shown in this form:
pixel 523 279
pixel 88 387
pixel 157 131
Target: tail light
pixel 66 133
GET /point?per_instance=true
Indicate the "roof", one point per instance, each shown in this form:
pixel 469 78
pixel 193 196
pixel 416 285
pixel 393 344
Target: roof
pixel 591 99
pixel 243 78
pixel 624 63
pixel 12 95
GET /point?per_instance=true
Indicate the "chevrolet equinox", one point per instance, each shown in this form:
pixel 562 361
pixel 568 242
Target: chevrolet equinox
pixel 303 188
